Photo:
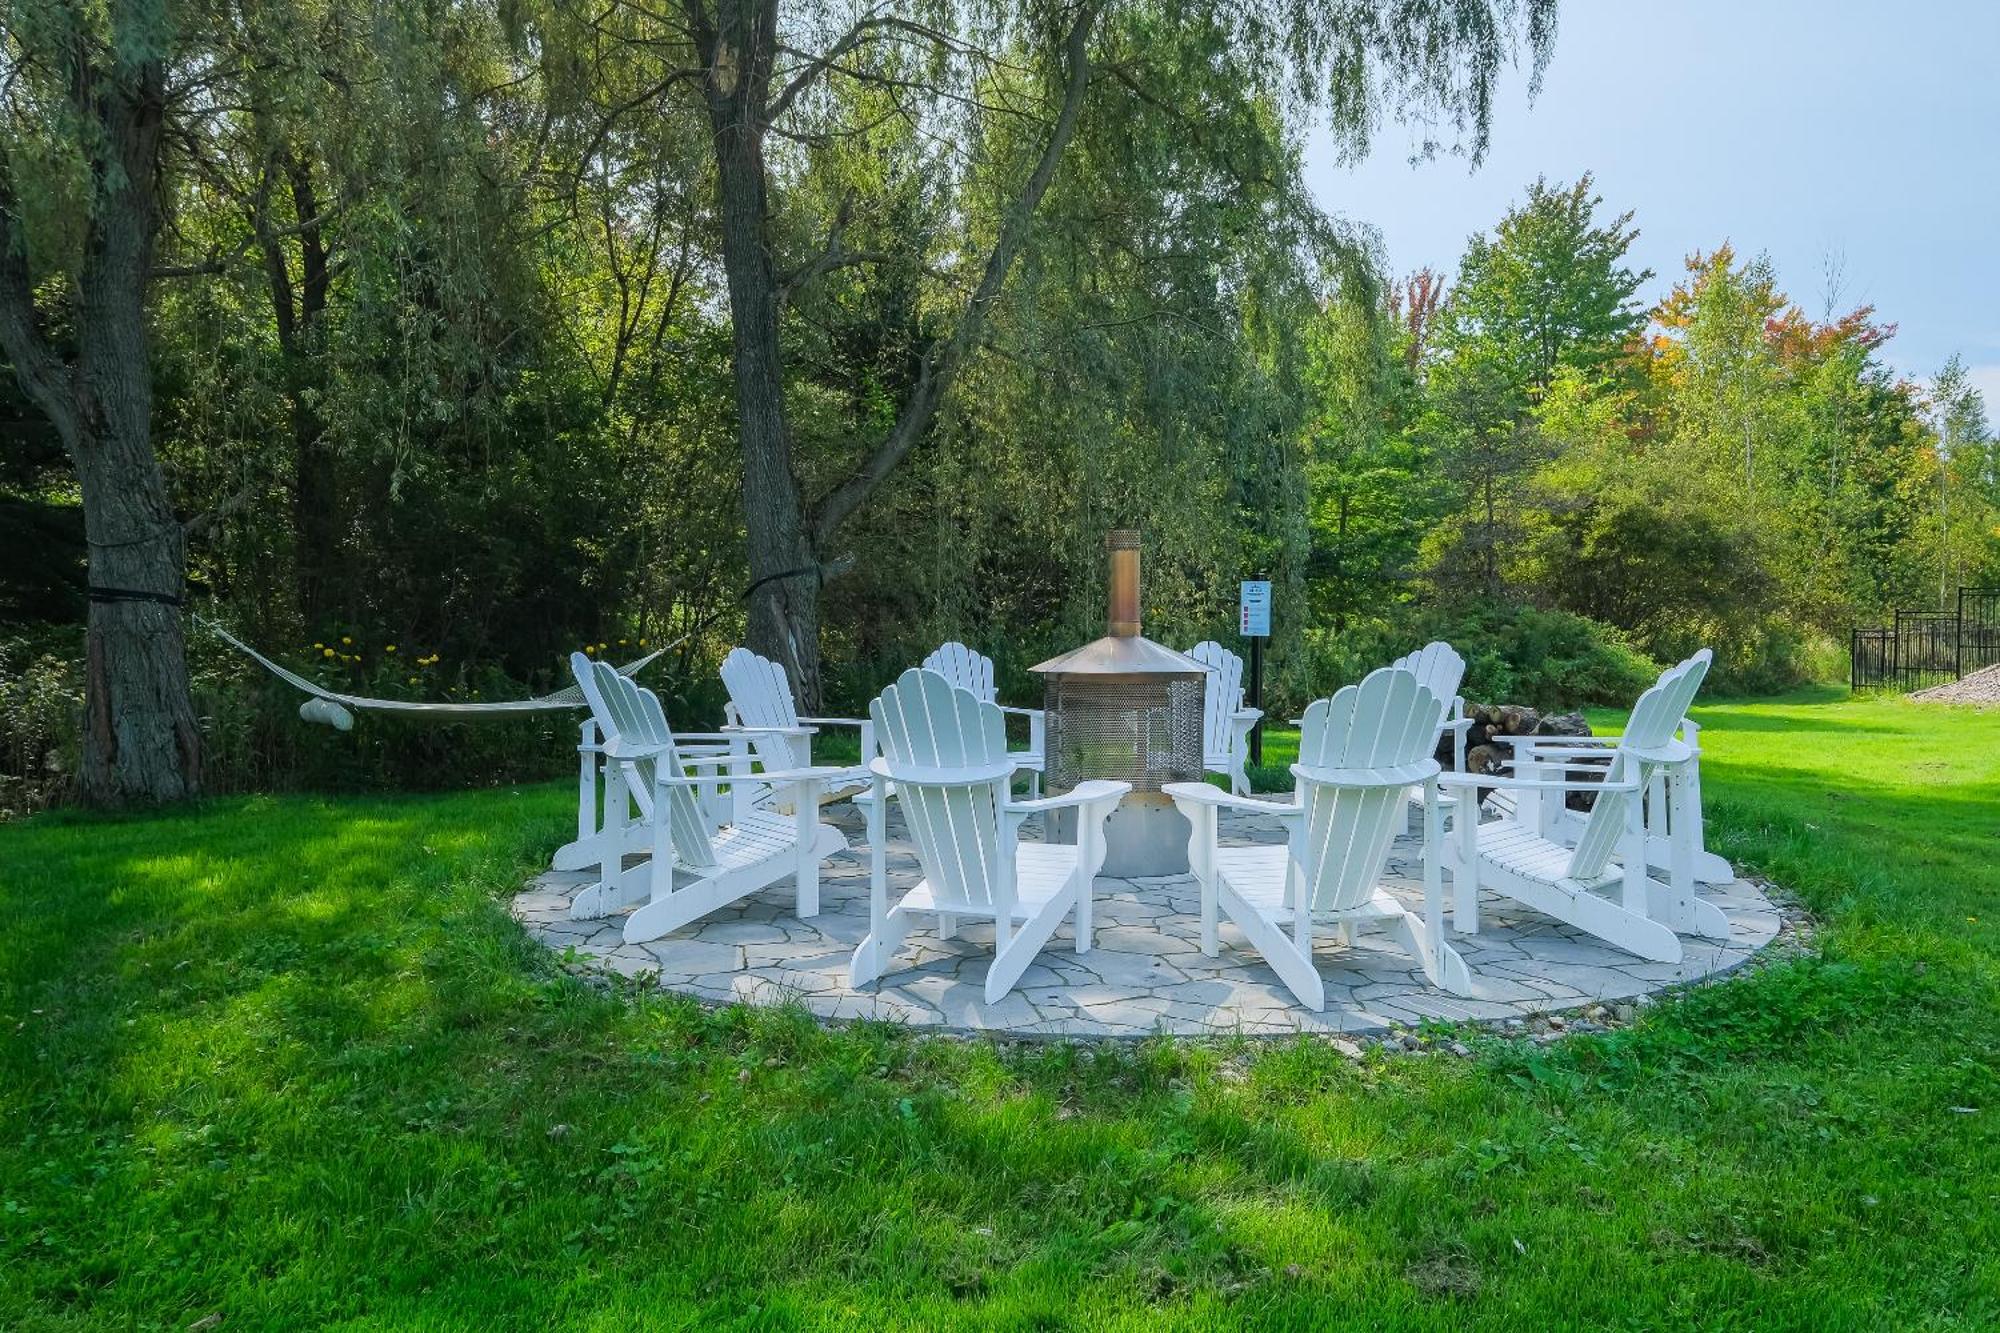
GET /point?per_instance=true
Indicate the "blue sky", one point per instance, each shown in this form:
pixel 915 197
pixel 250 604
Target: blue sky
pixel 1859 135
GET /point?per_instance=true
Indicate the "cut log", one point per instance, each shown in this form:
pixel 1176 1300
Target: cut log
pixel 1483 755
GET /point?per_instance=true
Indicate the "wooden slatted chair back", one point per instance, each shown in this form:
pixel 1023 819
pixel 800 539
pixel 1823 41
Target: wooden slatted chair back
pixel 760 696
pixel 1222 693
pixel 630 714
pixel 965 668
pixel 1438 666
pixel 1654 719
pixel 924 722
pixel 1388 721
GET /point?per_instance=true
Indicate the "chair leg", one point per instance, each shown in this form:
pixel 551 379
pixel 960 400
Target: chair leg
pixel 1465 866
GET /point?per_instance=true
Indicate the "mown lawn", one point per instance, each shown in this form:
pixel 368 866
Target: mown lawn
pixel 288 1063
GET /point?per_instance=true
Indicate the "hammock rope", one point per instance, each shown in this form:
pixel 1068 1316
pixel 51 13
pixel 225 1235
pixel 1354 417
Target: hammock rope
pixel 330 706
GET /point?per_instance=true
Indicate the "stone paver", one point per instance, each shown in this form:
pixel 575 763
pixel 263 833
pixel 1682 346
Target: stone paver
pixel 1147 972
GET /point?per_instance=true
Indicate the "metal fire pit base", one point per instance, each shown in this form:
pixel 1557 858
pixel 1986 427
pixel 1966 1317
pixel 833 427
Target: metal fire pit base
pixel 1145 838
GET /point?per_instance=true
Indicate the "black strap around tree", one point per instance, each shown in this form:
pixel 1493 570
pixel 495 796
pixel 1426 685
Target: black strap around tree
pixel 817 571
pixel 97 593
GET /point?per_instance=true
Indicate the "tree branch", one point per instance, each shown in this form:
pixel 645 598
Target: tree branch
pixel 942 362
pixel 43 376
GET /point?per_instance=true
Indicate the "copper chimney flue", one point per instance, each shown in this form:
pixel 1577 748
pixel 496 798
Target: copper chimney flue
pixel 1123 543
pixel 1126 708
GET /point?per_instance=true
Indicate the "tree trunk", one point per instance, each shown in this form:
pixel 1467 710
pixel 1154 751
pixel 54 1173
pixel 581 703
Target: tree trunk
pixel 300 317
pixel 140 742
pixel 784 570
pixel 140 738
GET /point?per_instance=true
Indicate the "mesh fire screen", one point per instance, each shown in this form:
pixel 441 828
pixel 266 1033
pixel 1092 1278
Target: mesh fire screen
pixel 1145 730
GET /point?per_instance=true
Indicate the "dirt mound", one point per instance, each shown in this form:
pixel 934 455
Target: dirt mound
pixel 1981 687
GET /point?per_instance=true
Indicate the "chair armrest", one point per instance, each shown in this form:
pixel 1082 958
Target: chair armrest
pixel 1242 715
pixel 718 760
pixel 1480 781
pixel 1200 793
pixel 1394 775
pixel 821 774
pixel 745 729
pixel 836 721
pixel 920 776
pixel 1557 742
pixel 1459 724
pixel 1019 712
pixel 1084 793
pixel 629 750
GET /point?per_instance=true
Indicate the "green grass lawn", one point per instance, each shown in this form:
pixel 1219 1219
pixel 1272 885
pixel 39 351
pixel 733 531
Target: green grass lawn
pixel 287 1061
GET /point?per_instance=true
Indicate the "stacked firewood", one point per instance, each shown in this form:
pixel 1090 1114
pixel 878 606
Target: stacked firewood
pixel 1491 720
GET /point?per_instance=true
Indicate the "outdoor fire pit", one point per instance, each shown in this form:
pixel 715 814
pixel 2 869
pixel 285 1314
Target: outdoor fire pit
pixel 1127 709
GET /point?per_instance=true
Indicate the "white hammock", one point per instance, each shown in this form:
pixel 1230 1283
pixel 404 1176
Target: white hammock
pixel 330 708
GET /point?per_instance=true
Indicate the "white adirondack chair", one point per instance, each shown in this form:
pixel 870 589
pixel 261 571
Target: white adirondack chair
pixel 968 669
pixel 601 831
pixel 1441 670
pixel 762 710
pixel 1674 831
pixel 945 751
pixel 694 868
pixel 1574 883
pixel 1358 753
pixel 1225 722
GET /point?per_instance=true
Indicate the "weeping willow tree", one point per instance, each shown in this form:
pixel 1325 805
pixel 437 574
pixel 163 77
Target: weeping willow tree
pixel 995 104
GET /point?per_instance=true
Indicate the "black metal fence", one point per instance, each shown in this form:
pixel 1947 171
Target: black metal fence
pixel 1923 648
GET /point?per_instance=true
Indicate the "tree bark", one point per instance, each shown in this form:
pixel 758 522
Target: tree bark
pixel 140 741
pixel 784 574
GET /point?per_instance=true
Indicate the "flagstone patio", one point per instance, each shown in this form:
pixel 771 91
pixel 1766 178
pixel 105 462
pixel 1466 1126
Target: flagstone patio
pixel 1146 972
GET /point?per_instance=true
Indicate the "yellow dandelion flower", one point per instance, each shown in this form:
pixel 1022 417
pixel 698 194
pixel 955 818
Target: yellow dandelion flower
pixel 346 642
pixel 413 680
pixel 318 646
pixel 390 649
pixel 328 651
pixel 621 643
pixel 642 643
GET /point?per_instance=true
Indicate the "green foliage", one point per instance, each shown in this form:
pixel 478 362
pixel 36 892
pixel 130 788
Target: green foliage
pixel 1550 659
pixel 1742 478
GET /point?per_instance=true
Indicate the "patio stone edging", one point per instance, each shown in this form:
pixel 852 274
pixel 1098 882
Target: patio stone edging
pixel 1146 974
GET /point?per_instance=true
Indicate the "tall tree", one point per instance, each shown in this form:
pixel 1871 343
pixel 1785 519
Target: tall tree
pixel 82 114
pixel 1549 290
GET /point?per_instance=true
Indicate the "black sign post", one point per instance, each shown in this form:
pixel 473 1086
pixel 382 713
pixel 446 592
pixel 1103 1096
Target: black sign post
pixel 1254 611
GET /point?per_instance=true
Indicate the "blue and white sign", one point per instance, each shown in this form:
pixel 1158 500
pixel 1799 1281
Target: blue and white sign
pixel 1255 606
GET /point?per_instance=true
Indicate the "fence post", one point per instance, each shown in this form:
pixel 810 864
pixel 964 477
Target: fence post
pixel 1958 639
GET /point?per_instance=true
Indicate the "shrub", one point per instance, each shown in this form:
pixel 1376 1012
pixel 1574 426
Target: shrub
pixel 41 708
pixel 1517 654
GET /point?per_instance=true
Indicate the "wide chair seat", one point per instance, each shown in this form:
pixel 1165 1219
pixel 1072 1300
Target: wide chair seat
pixel 1042 871
pixel 1256 875
pixel 1509 846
